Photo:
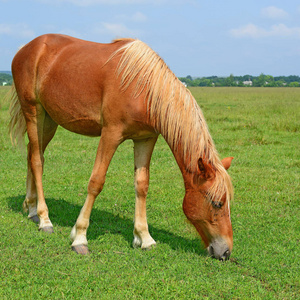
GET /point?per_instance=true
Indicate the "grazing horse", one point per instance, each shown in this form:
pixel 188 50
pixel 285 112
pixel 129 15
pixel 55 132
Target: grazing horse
pixel 122 90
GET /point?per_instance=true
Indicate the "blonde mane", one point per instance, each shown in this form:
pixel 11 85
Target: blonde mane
pixel 172 110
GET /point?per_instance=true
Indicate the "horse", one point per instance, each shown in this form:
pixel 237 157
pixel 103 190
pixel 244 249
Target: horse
pixel 120 90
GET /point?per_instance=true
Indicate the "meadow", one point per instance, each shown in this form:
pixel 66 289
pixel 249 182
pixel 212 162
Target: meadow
pixel 258 126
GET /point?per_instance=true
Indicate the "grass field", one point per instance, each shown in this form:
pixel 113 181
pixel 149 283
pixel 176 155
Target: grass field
pixel 258 126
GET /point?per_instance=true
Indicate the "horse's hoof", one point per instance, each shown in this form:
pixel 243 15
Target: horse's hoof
pixel 48 229
pixel 81 249
pixel 148 248
pixel 35 219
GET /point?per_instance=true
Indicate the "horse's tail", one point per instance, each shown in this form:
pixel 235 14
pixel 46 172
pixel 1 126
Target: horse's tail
pixel 17 124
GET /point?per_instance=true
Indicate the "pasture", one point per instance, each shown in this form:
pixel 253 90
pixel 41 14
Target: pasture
pixel 258 126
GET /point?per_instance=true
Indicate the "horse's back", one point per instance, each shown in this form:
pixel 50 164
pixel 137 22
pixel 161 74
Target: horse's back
pixel 68 77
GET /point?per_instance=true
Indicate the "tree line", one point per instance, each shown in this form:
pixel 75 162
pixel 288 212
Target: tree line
pixel 5 79
pixel 247 80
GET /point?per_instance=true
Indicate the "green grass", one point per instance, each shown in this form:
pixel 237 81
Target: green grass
pixel 258 126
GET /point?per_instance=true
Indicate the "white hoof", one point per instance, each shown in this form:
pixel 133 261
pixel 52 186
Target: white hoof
pixel 45 225
pixel 137 242
pixel 146 244
pixel 77 239
pixel 149 245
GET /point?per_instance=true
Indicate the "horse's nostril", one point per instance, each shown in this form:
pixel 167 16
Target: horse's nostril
pixel 226 255
pixel 211 251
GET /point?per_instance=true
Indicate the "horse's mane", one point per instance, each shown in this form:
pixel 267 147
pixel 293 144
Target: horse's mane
pixel 172 110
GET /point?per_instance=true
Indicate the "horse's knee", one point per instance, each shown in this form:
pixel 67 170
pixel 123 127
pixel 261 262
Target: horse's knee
pixel 35 162
pixel 141 186
pixel 96 185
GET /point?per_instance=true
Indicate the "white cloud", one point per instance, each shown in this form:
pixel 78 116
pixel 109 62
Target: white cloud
pixel 17 30
pixel 284 31
pixel 254 31
pixel 139 17
pixel 116 30
pixel 249 30
pixel 273 12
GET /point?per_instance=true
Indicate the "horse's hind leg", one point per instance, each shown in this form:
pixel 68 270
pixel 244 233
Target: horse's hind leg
pixel 142 155
pixel 41 129
pixel 30 202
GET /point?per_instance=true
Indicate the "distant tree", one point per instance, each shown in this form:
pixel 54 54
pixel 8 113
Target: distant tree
pixel 260 80
pixel 269 79
pixel 196 82
pixel 279 83
pixel 288 79
pixel 240 83
pixel 247 77
pixel 229 81
pixel 205 82
pixel 212 77
pixel 187 81
pixel 5 79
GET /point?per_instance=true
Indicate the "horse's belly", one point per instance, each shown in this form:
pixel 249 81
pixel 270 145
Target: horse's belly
pixel 83 126
pixel 77 116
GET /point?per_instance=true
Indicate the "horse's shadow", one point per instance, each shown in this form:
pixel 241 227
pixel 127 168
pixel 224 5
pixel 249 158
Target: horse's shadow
pixel 102 222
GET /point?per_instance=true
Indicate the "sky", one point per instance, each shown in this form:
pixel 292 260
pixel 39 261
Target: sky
pixel 196 38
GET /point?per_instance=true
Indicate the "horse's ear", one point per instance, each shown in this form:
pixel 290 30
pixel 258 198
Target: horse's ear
pixel 206 171
pixel 227 162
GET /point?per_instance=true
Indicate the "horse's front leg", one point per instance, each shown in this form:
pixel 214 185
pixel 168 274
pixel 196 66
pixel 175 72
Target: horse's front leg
pixel 108 144
pixel 142 155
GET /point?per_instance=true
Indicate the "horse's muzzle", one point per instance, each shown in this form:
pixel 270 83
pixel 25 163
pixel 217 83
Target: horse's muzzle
pixel 219 249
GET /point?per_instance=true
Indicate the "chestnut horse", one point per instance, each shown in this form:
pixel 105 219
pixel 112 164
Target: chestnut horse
pixel 118 91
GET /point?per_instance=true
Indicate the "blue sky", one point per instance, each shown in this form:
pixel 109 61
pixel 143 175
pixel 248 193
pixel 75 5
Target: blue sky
pixel 197 38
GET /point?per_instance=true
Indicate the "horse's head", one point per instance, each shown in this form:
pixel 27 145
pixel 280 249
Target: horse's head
pixel 207 207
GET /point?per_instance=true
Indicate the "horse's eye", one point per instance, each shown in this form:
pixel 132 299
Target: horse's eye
pixel 217 204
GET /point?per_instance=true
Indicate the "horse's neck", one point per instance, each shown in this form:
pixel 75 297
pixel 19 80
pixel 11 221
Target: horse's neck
pixel 183 163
